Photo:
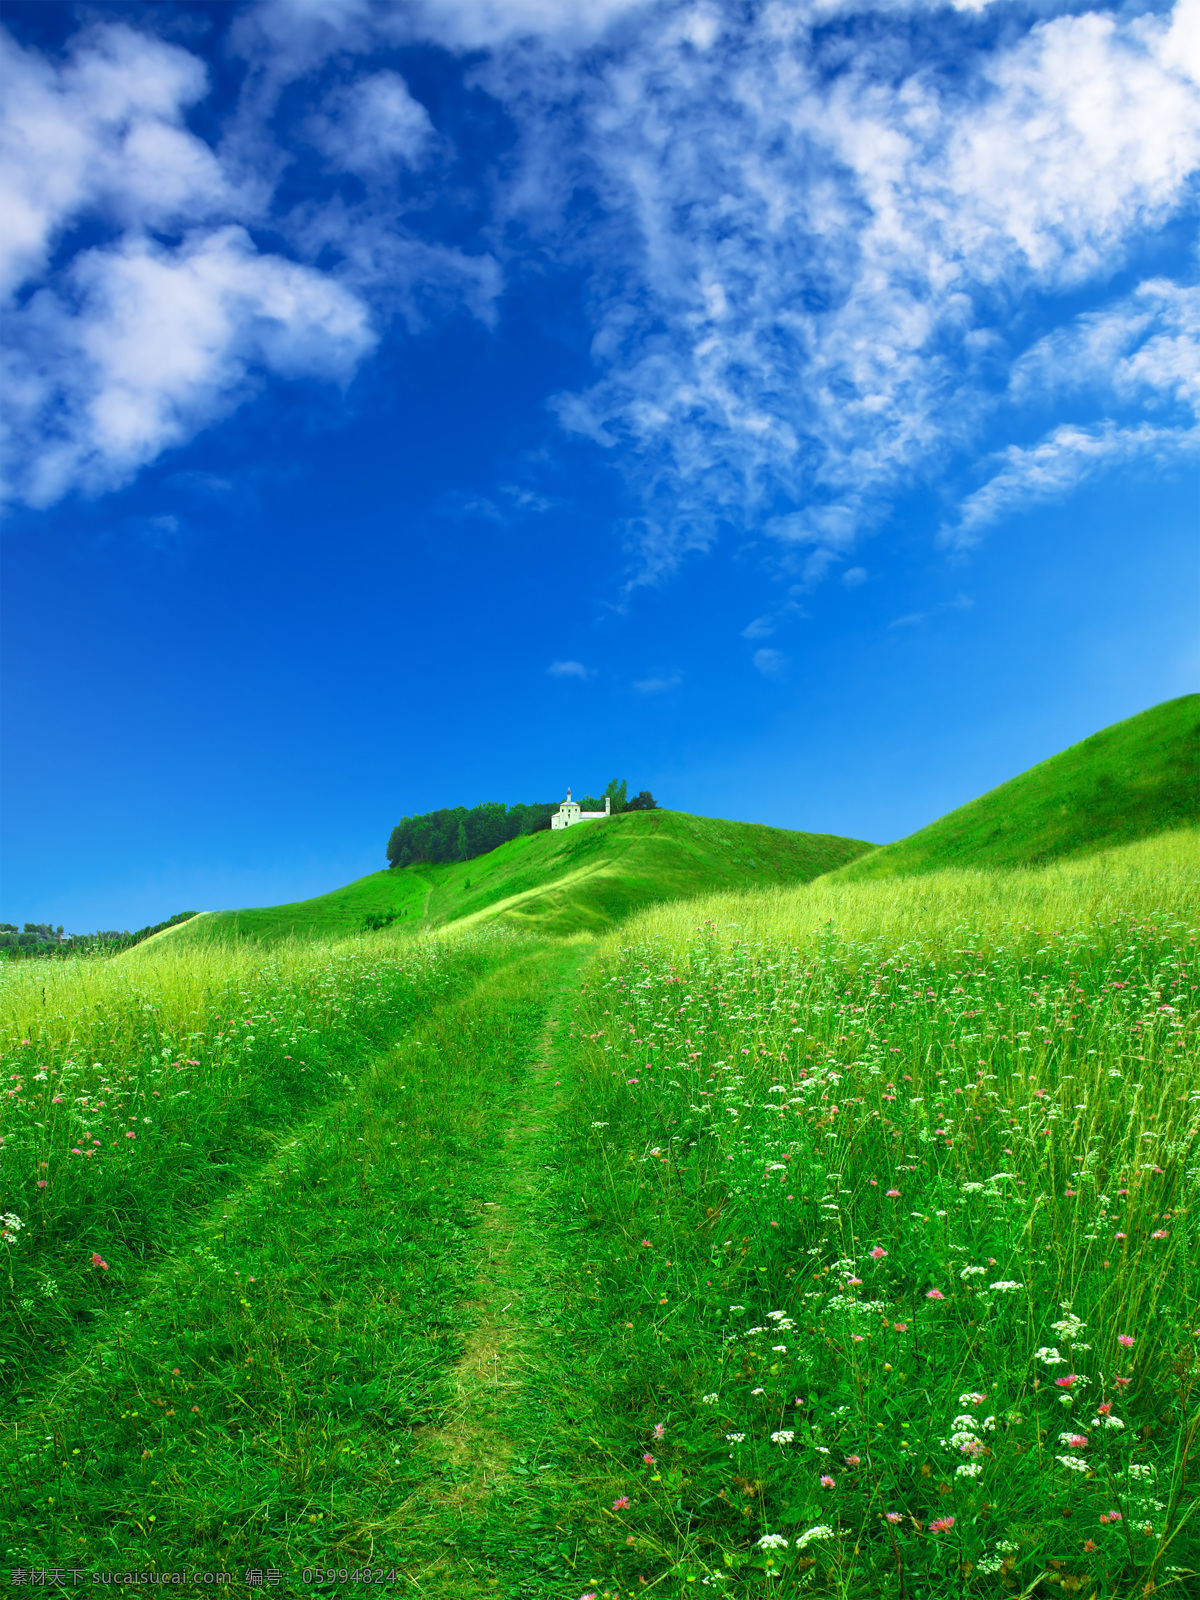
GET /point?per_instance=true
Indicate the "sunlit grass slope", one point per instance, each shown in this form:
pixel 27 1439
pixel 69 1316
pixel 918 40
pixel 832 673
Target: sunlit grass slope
pixel 1139 777
pixel 580 879
pixel 887 1240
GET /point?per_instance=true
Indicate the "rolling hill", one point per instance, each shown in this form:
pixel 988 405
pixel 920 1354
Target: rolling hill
pixel 1129 781
pixel 581 879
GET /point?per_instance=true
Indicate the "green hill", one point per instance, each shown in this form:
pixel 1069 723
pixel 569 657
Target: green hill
pixel 566 881
pixel 1137 778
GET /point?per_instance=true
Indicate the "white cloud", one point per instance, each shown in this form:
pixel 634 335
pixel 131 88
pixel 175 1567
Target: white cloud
pixel 658 684
pixel 853 576
pixel 141 345
pixel 811 252
pixel 368 126
pixel 170 315
pixel 102 134
pixel 806 283
pixel 1066 458
pixel 570 669
pixel 771 663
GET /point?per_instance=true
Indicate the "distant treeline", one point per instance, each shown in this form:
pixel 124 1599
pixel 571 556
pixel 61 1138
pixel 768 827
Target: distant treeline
pixel 40 939
pixel 459 833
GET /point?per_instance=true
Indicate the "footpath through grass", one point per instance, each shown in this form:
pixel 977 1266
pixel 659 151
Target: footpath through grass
pixel 837 1241
pixel 250 1394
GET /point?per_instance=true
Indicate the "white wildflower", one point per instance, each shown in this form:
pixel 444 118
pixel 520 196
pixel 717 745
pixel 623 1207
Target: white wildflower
pixel 1049 1356
pixel 784 1436
pixel 969 1469
pixel 821 1531
pixel 772 1541
pixel 1005 1284
pixel 1074 1463
pixel 736 1438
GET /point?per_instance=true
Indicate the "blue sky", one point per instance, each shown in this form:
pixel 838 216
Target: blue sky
pixel 790 408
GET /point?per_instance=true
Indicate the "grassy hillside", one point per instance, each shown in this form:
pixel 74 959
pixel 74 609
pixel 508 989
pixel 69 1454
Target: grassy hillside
pixel 1139 777
pixel 748 1251
pixel 579 879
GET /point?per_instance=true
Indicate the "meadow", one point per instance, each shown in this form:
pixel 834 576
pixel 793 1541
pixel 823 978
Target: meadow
pixel 835 1239
pixel 891 1282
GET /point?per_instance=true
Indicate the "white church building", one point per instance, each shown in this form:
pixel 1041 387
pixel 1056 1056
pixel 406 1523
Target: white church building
pixel 568 813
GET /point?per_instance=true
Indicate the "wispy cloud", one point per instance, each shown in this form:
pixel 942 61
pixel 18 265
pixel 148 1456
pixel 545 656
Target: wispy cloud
pixel 912 619
pixel 810 262
pixel 570 669
pixel 771 663
pixel 658 684
pixel 806 275
pixel 1064 459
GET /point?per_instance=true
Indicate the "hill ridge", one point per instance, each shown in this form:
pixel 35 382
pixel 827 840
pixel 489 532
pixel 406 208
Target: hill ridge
pixel 1130 780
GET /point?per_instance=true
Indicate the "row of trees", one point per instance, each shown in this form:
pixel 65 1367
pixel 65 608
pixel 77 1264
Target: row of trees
pixel 460 833
pixel 40 939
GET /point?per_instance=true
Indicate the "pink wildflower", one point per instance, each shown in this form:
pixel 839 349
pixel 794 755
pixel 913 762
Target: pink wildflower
pixel 1159 1233
pixel 942 1525
pixel 1090 1545
pixel 1126 1339
pixel 893 1516
pixel 648 1459
pixel 621 1503
pixel 852 1283
pixel 1121 1383
pixel 1111 1516
pixel 900 1327
pixel 1066 1383
pixel 41 1183
pixel 659 1430
pixel 826 1481
pixel 878 1253
pixel 1077 1441
pixel 934 1294
pixel 893 1194
pixel 98 1261
pixel 853 1461
pixel 646 1244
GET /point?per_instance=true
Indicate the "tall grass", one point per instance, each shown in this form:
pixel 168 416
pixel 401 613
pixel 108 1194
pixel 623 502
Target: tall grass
pixel 891 1277
pixel 138 1090
pixel 251 1394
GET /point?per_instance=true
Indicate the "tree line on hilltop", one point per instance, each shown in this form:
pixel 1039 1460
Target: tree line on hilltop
pixel 41 939
pixel 460 833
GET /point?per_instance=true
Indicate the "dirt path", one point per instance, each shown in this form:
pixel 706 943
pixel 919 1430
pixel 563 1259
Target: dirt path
pixel 470 1455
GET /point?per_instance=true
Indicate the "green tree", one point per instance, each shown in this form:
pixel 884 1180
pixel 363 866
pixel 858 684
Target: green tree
pixel 616 793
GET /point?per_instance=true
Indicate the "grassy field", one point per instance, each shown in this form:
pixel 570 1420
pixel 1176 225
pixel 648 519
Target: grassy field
pixel 578 879
pixel 886 1270
pixel 796 1238
pixel 840 1240
pixel 1130 781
